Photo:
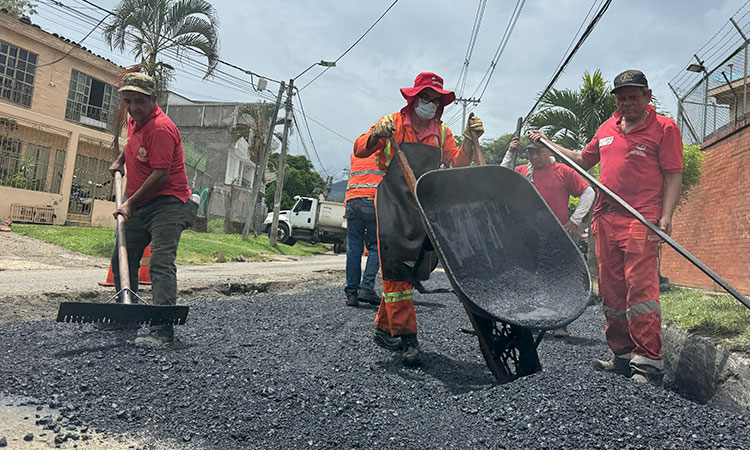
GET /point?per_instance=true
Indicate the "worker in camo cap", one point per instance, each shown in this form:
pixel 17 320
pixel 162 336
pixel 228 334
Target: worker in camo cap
pixel 157 208
pixel 402 242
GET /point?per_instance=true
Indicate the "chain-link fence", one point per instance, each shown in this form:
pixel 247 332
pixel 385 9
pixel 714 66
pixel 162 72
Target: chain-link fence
pixel 712 92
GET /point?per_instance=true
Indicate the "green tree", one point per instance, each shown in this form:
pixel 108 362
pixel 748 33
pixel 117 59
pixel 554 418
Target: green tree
pixel 494 149
pixel 151 27
pixel 299 179
pixel 570 117
pixel 692 158
pixel 19 8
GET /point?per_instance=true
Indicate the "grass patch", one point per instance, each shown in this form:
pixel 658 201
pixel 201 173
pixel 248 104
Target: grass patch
pixel 712 314
pixel 195 248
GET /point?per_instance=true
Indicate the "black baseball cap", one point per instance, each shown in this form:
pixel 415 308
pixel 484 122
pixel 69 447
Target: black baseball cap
pixel 630 78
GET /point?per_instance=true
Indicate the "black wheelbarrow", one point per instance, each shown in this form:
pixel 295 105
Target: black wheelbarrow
pixel 511 263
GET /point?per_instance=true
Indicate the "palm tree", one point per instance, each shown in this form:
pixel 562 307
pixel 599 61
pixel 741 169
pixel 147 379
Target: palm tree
pixel 151 27
pixel 570 117
pixel 256 118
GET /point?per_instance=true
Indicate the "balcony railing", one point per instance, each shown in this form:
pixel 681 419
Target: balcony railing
pixel 94 116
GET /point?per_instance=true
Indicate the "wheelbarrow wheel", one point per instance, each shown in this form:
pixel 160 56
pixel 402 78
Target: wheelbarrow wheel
pixel 509 350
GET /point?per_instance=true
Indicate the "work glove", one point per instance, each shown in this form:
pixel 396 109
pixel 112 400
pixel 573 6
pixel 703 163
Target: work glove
pixel 384 128
pixel 473 126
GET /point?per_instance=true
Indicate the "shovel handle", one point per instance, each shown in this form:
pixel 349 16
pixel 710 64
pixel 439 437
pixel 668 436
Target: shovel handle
pixel 122 252
pixel 664 236
pixel 403 163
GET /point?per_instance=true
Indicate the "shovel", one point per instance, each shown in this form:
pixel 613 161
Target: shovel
pixel 130 309
pixel 664 236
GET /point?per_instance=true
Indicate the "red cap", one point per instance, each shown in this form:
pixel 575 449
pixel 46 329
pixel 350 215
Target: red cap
pixel 428 80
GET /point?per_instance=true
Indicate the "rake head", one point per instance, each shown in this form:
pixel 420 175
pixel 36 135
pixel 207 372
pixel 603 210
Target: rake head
pixel 124 313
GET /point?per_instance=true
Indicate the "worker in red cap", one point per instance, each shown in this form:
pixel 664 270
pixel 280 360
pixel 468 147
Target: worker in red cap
pixel 640 153
pixel 405 252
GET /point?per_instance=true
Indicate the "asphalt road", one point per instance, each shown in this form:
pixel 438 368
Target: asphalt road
pixel 300 370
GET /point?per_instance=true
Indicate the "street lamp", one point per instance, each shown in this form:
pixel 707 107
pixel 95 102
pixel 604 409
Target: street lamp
pixel 695 68
pixel 319 63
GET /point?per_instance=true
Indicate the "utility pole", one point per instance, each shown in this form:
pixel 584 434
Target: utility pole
pixel 273 232
pixel 464 102
pixel 260 169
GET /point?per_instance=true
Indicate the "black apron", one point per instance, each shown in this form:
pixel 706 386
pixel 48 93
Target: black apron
pixel 405 251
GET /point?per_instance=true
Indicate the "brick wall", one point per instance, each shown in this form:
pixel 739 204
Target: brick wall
pixel 714 223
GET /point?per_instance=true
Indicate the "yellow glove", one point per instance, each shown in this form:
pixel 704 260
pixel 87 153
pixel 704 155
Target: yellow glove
pixel 473 126
pixel 384 128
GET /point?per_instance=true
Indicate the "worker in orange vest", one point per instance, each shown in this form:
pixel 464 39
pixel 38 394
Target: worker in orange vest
pixel 405 252
pixel 361 231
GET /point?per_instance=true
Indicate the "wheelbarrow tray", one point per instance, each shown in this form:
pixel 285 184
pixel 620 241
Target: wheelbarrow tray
pixel 506 255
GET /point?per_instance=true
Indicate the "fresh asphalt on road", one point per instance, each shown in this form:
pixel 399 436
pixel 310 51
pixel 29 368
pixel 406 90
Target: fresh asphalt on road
pixel 300 370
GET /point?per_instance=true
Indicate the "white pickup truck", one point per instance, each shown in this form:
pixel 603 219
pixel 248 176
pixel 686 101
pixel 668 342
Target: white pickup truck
pixel 312 220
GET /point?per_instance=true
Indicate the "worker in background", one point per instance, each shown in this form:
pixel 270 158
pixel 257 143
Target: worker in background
pixel 405 252
pixel 157 208
pixel 361 231
pixel 641 161
pixel 555 182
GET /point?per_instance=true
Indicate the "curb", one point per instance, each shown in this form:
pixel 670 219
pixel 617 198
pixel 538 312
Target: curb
pixel 704 371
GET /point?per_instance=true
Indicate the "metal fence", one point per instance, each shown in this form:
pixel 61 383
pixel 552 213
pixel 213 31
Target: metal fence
pixel 712 91
pixel 91 177
pixel 30 157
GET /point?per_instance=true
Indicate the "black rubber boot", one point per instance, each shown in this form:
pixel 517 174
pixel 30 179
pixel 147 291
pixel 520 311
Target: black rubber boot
pixel 368 296
pixel 385 340
pixel 351 300
pixel 411 355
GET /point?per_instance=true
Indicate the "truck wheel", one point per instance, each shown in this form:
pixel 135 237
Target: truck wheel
pixel 339 247
pixel 291 241
pixel 282 235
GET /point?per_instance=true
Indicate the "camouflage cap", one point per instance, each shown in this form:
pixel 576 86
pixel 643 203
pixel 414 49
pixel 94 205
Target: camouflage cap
pixel 138 82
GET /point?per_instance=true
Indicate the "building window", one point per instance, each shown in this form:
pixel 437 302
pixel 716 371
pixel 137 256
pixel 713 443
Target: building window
pixel 30 158
pixel 17 69
pixel 90 101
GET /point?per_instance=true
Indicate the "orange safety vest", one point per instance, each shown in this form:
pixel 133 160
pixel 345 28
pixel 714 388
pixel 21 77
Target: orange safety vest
pixel 389 153
pixel 364 177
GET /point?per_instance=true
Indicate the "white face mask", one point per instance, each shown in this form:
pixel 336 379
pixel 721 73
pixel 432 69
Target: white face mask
pixel 425 110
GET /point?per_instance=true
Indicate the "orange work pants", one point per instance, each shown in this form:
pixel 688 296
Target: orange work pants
pixel 629 287
pixel 396 313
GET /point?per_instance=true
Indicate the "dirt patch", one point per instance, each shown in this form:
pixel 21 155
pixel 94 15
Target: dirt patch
pixel 19 252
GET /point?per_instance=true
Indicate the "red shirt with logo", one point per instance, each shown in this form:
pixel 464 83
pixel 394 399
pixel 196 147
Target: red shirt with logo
pixel 633 164
pixel 556 183
pixel 156 144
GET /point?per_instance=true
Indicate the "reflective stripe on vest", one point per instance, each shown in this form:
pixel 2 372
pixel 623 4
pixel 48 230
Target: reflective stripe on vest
pixel 362 185
pixel 366 172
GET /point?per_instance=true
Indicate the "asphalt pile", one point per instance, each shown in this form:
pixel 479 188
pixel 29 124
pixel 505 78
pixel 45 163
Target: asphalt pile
pixel 301 371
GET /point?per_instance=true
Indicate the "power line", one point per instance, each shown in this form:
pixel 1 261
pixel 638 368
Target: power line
pixel 560 70
pixel 234 66
pixel 500 48
pixel 307 126
pixel 75 45
pixel 351 47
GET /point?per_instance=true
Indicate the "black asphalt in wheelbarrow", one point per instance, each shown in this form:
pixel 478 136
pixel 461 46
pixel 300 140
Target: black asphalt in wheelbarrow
pixel 506 254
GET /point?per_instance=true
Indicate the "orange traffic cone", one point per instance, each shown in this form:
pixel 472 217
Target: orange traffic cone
pixel 144 273
pixel 110 278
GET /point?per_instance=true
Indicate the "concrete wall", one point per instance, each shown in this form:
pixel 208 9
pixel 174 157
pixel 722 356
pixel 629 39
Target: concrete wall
pixel 10 196
pixel 714 223
pixel 101 214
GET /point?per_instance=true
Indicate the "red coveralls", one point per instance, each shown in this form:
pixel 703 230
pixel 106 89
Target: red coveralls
pixel 632 166
pixel 396 312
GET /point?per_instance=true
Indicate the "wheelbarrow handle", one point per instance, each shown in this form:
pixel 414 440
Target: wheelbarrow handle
pixel 664 236
pixel 403 163
pixel 122 253
pixel 517 135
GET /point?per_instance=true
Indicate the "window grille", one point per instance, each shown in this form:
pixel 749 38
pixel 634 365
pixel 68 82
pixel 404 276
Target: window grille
pixel 90 101
pixel 17 70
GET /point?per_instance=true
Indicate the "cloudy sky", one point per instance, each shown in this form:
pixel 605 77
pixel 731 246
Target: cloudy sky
pixel 281 39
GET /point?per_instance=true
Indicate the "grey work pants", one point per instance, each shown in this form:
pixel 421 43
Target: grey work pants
pixel 160 223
